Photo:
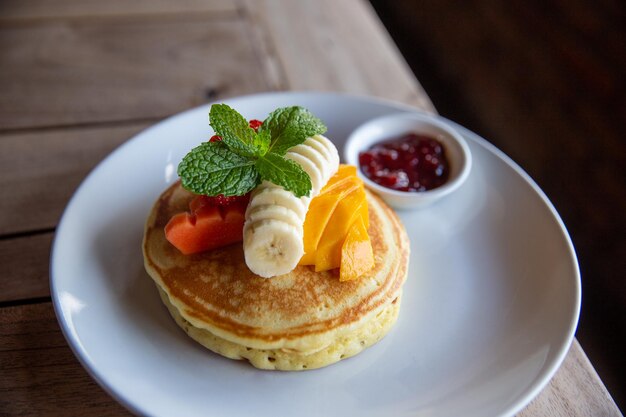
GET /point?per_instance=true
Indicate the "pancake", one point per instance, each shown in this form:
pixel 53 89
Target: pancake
pixel 300 320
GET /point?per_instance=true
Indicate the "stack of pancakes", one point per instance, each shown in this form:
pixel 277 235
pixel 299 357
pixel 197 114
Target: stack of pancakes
pixel 300 320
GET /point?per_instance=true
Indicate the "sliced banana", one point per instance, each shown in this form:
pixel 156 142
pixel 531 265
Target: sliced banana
pixel 270 194
pixel 272 247
pixel 314 156
pixel 324 141
pixel 275 212
pixel 318 146
pixel 317 181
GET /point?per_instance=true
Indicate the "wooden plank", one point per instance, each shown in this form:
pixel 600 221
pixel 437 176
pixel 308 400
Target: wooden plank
pixel 40 375
pixel 24 267
pixel 576 390
pixel 40 170
pixel 67 72
pixel 46 9
pixel 331 46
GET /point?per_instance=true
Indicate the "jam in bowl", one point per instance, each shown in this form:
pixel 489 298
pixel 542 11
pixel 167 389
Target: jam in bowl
pixel 409 159
pixel 412 162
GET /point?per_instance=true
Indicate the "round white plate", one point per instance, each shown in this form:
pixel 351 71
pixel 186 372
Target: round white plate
pixel 489 308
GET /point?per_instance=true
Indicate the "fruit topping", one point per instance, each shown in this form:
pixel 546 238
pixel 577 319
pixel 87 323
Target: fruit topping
pixel 335 228
pixel 357 256
pixel 284 162
pixel 212 222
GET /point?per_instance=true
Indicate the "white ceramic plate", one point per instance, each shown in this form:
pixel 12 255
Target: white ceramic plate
pixel 488 313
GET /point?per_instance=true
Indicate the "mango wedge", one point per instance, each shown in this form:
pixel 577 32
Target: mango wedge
pixel 350 208
pixel 318 216
pixel 335 227
pixel 322 207
pixel 357 256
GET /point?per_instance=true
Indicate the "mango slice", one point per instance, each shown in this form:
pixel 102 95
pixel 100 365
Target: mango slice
pixel 322 207
pixel 357 256
pixel 318 216
pixel 338 212
pixel 328 253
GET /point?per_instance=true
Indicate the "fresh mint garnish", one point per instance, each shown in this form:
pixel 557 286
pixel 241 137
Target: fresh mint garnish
pixel 284 172
pixel 244 157
pixel 212 169
pixel 233 128
pixel 290 126
pixel 262 142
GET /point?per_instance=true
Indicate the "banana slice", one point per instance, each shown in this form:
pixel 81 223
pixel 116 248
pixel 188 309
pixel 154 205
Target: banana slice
pixel 317 181
pixel 326 143
pixel 318 146
pixel 275 212
pixel 269 194
pixel 272 247
pixel 314 156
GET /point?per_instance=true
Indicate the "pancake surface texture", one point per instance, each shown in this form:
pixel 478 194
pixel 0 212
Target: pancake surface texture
pixel 300 320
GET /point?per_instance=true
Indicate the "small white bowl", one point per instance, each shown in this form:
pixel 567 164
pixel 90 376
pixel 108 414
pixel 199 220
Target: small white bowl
pixel 395 125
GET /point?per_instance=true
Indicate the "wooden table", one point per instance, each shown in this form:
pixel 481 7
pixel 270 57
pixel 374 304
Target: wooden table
pixel 78 78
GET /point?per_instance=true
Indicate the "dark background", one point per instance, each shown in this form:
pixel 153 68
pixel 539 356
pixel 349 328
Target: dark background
pixel 544 81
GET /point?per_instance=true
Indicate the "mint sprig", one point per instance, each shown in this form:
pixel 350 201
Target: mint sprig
pixel 212 169
pixel 290 126
pixel 284 172
pixel 233 128
pixel 238 163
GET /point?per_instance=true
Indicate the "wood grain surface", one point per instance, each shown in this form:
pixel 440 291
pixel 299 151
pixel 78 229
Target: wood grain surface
pixel 79 78
pixel 21 10
pixel 40 170
pixel 40 374
pixel 338 47
pixel 24 267
pixel 68 72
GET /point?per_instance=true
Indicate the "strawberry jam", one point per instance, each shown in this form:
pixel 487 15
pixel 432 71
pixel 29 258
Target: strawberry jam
pixel 412 162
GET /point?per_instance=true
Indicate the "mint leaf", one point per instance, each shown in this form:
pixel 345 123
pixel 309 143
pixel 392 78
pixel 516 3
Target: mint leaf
pixel 233 128
pixel 212 168
pixel 262 142
pixel 284 172
pixel 290 126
